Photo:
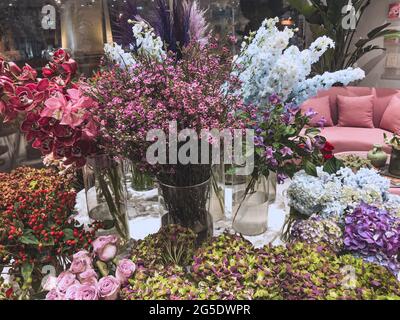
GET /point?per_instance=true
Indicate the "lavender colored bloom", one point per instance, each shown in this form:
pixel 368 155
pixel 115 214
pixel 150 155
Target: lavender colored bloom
pixel 292 108
pixel 274 99
pixel 269 153
pixel 309 146
pixel 286 151
pixel 273 163
pixel 258 141
pixel 310 113
pixel 281 177
pixel 266 115
pixel 321 123
pixel 371 231
pixel 317 230
pixel 287 118
pixel 319 142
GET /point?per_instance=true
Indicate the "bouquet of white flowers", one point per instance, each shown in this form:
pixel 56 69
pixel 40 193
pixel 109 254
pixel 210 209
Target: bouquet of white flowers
pixel 267 65
pixel 330 195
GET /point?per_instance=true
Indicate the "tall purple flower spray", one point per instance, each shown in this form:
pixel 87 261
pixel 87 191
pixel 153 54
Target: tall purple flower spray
pixel 176 22
pixel 179 22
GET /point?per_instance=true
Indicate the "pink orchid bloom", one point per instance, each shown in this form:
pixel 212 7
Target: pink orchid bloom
pixel 75 112
pixel 55 106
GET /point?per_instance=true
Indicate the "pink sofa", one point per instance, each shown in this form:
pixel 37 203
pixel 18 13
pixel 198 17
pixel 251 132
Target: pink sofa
pixel 347 139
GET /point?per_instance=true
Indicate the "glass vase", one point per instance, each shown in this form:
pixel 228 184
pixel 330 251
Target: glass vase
pixel 188 207
pixel 142 193
pixel 251 205
pixel 106 195
pixel 217 198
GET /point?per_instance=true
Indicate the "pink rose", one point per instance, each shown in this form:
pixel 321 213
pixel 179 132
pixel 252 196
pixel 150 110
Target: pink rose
pixel 53 295
pixel 81 292
pixel 81 262
pixel 105 247
pixel 88 277
pixel 125 270
pixel 108 288
pixel 65 280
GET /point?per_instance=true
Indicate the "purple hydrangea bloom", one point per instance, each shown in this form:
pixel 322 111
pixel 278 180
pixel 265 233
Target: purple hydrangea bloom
pixel 370 231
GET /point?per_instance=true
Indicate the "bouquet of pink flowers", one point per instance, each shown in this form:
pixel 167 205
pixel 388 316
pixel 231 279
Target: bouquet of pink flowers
pixel 88 276
pixel 53 111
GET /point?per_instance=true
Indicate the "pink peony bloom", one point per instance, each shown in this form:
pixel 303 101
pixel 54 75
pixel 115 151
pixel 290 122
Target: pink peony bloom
pixel 108 288
pixel 125 270
pixel 105 247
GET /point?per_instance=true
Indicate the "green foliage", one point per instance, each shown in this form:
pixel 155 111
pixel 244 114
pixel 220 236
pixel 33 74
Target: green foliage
pixel 172 245
pixel 228 267
pixel 355 162
pixel 327 20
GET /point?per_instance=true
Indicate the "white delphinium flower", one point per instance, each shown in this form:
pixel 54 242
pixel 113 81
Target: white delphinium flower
pixel 266 65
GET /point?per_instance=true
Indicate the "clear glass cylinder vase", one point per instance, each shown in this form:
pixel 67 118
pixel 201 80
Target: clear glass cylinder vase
pixel 106 195
pixel 142 192
pixel 217 197
pixel 188 207
pixel 251 205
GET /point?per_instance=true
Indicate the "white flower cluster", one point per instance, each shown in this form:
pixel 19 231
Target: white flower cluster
pixel 117 54
pixel 329 195
pixel 146 43
pixel 266 65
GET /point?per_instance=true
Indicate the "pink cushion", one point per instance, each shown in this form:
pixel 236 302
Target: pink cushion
pixel 347 139
pixel 343 91
pixel 382 98
pixel 322 107
pixel 391 117
pixel 356 111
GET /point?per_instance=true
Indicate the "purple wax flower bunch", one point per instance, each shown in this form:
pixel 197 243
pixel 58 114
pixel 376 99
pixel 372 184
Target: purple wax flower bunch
pixel 370 231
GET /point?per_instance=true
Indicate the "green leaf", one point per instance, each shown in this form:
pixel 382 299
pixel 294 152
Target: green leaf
pixel 310 168
pixel 373 33
pixel 333 165
pixel 303 7
pixel 68 234
pixel 29 238
pixel 33 184
pixel 26 271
